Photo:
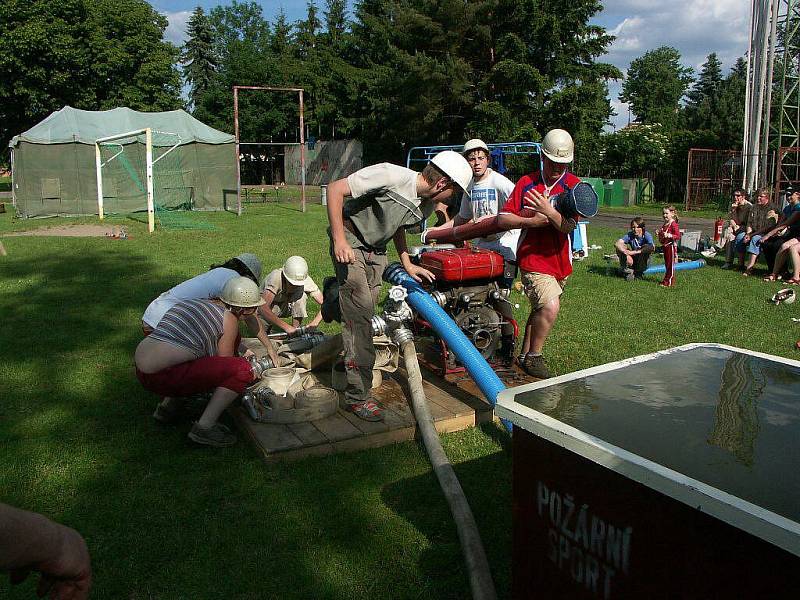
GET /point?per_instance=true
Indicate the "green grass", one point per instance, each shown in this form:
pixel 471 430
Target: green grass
pixel 167 520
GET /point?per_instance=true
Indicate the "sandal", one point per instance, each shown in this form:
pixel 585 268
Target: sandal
pixel 770 277
pixel 792 281
pixel 747 272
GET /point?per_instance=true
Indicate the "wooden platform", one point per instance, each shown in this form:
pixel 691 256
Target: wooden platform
pixel 455 404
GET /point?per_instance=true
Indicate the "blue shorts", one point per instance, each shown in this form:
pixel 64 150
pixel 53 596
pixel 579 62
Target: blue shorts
pixel 753 247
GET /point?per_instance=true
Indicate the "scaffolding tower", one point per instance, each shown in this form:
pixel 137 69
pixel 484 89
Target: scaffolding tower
pixel 772 111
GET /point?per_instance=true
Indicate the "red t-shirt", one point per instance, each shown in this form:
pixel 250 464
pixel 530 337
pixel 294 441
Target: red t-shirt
pixel 542 249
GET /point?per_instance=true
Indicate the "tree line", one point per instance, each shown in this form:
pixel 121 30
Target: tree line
pixel 393 74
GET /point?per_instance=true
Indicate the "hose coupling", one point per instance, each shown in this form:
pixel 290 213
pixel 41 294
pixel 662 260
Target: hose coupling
pixel 402 335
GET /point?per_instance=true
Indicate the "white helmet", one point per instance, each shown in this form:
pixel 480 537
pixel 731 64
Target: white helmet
pixel 241 292
pixel 558 146
pixel 474 144
pixel 295 269
pixel 251 261
pixel 455 167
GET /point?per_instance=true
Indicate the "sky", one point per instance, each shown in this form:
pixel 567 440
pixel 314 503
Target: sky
pixel 695 27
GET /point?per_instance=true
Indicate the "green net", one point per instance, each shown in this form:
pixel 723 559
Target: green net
pixel 124 173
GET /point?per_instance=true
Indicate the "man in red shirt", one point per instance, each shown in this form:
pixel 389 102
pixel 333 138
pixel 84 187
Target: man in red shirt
pixel 544 254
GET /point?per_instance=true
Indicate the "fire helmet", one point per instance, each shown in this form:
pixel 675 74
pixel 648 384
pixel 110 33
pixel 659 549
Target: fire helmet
pixel 455 166
pixel 474 144
pixel 295 269
pixel 251 261
pixel 241 292
pixel 558 146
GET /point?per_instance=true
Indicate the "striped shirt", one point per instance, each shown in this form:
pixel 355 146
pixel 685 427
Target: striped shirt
pixel 192 324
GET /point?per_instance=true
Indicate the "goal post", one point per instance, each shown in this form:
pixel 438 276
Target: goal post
pixel 128 163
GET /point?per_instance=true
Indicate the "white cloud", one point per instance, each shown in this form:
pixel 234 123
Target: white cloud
pixel 695 28
pixel 176 30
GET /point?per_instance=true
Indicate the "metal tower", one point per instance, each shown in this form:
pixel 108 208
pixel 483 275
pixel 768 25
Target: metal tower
pixel 772 112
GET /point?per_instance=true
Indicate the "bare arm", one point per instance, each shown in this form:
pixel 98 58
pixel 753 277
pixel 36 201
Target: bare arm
pixel 254 325
pixel 318 298
pixel 31 542
pixel 510 221
pixel 267 312
pixel 417 272
pixel 622 247
pixel 226 346
pixel 336 194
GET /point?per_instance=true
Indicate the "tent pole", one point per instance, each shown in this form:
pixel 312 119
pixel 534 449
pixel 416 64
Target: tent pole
pixel 98 160
pixel 151 224
pixel 238 163
pixel 302 157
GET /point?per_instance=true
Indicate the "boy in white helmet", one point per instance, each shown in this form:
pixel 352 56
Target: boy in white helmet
pixel 488 193
pixel 544 254
pixel 384 201
pixel 285 292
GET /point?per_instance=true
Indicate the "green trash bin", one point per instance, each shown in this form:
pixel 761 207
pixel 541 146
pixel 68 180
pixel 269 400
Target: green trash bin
pixel 613 194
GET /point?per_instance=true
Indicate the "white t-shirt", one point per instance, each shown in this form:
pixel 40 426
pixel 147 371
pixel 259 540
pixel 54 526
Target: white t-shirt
pixel 206 285
pixel 486 198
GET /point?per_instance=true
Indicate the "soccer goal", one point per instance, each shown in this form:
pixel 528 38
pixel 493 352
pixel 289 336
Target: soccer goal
pixel 140 171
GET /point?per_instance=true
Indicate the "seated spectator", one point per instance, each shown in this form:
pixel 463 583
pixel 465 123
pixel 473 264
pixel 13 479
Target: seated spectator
pixel 761 218
pixel 634 250
pixel 776 242
pixel 735 222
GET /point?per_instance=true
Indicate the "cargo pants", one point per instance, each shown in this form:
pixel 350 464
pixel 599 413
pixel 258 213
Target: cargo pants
pixel 359 288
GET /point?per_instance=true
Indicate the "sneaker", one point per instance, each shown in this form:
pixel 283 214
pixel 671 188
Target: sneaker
pixel 217 435
pixel 367 410
pixel 536 367
pixel 628 274
pixel 726 266
pixel 170 410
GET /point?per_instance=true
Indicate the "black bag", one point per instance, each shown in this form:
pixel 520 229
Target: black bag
pixel 331 311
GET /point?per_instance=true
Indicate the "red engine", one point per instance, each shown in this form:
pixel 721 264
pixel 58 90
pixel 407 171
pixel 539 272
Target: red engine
pixel 468 287
pixel 463 264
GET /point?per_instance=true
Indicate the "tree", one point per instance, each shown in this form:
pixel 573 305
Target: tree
pixel 708 82
pixel 198 56
pixel 335 18
pixel 307 29
pixel 501 69
pixel 655 85
pixel 90 54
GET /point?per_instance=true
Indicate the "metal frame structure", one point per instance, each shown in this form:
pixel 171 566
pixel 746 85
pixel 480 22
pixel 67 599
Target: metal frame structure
pixel 511 148
pixel 772 123
pixel 302 141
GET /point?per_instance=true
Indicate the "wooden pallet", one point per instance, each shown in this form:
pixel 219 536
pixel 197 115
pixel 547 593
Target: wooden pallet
pixel 455 404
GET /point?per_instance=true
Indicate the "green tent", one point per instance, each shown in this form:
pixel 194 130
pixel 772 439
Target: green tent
pixel 54 164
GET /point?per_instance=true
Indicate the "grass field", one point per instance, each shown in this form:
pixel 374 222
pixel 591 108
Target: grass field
pixel 167 520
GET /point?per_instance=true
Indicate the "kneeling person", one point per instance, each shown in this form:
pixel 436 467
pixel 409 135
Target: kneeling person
pixel 193 349
pixel 634 249
pixel 285 292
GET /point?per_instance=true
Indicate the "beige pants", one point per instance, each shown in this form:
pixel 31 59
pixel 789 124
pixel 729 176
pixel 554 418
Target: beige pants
pixel 542 289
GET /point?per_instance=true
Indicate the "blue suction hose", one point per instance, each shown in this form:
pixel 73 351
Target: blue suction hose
pixel 681 266
pixel 480 371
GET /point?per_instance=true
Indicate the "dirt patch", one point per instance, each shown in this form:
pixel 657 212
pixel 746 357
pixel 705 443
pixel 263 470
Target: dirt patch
pixel 71 231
